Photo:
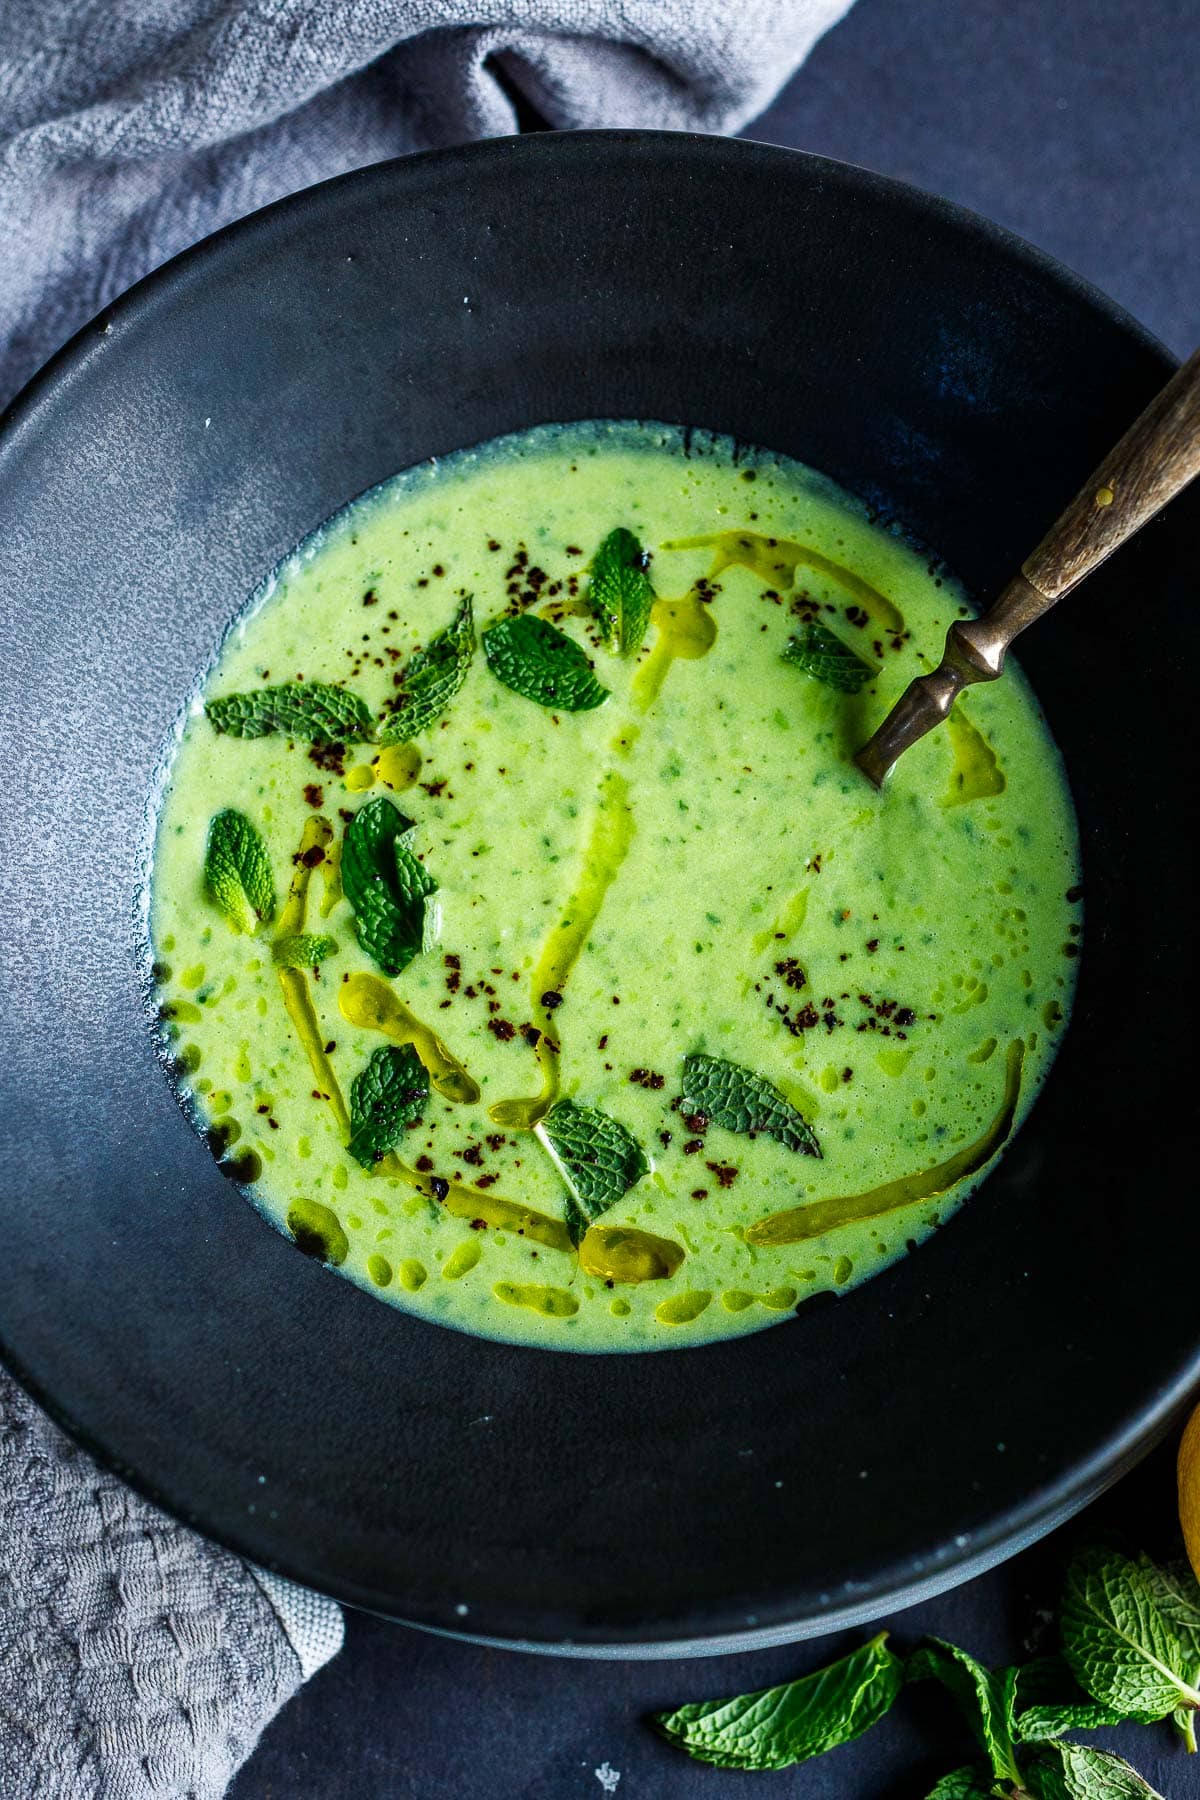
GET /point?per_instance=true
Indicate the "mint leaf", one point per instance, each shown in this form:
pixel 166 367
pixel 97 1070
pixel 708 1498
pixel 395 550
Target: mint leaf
pixel 964 1784
pixel 237 871
pixel 430 679
pixel 1176 1593
pixel 385 1098
pixel 620 593
pixel 600 1161
pixel 986 1698
pixel 302 949
pixel 739 1100
pixel 541 663
pixel 386 886
pixel 1050 1701
pixel 1077 1772
pixel 822 654
pixel 315 712
pixel 1120 1648
pixel 780 1726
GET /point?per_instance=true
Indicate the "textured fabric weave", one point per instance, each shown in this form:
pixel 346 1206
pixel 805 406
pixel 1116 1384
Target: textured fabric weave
pixel 131 128
pixel 137 1661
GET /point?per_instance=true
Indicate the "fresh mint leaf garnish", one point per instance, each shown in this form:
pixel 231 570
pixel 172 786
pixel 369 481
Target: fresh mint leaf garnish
pixel 600 1161
pixel 822 654
pixel 385 1099
pixel 1077 1772
pixel 302 949
pixel 780 1726
pixel 431 678
pixel 964 1784
pixel 386 886
pixel 237 871
pixel 986 1698
pixel 1049 1701
pixel 541 663
pixel 315 712
pixel 739 1100
pixel 620 592
pixel 1121 1649
pixel 1177 1593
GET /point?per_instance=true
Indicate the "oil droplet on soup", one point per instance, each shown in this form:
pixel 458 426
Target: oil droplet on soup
pixel 592 999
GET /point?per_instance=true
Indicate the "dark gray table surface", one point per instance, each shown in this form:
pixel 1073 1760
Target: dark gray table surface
pixel 1075 124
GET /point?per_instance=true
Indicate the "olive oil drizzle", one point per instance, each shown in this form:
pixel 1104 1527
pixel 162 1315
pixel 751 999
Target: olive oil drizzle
pixel 799 1223
pixel 317 835
pixel 366 1001
pixel 976 774
pixel 776 560
pixel 607 848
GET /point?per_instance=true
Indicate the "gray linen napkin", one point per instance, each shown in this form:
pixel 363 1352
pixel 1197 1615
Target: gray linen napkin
pixel 137 1660
pixel 131 128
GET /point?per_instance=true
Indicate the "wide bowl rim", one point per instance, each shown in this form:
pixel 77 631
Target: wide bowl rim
pixel 910 1579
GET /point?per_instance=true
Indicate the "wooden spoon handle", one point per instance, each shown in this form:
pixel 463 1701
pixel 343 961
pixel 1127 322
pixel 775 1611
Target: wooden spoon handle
pixel 1158 455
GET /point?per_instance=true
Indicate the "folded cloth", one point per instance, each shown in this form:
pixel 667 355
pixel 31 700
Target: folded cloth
pixel 131 128
pixel 137 1661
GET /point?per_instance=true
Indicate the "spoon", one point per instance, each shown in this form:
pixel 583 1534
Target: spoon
pixel 1157 457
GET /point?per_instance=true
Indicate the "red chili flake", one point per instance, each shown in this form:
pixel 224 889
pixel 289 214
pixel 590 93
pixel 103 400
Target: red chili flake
pixel 493 543
pixel 434 788
pixel 312 856
pixel 726 1173
pixel 501 1029
pixel 872 945
pixel 478 1224
pixel 857 615
pixel 424 1163
pixel 495 1139
pixel 792 973
pixel 473 1155
pixel 485 1181
pixel 314 794
pixel 664 1138
pixel 692 1145
pixel 647 1078
pixel 532 1035
pixel 330 757
pixel 699 1193
pixel 602 1041
pixel 696 1121
pixel 573 550
pixel 905 1016
pixel 370 598
pixel 847 1074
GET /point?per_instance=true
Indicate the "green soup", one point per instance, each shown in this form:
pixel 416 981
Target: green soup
pixel 569 984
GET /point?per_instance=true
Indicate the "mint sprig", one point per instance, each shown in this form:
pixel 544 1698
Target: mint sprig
pixel 237 871
pixel 539 662
pixel 386 1097
pixel 431 678
pixel 620 592
pixel 1077 1772
pixel 739 1100
pixel 302 949
pixel 599 1159
pixel 386 886
pixel 315 712
pixel 985 1697
pixel 1049 1701
pixel 1110 1616
pixel 1120 1647
pixel 820 653
pixel 780 1726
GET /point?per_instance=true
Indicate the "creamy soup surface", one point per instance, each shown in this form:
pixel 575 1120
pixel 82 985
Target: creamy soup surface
pixel 568 984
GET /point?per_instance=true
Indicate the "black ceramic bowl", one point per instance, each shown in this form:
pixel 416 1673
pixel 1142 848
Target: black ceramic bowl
pixel 864 1453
